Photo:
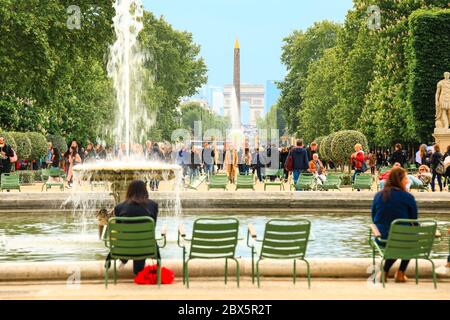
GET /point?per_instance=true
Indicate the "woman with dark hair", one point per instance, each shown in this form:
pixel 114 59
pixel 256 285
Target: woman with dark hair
pixel 137 204
pixel 392 203
pixel 436 159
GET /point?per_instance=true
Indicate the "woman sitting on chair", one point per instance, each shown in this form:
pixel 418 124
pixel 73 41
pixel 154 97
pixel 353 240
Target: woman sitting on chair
pixel 137 204
pixel 392 203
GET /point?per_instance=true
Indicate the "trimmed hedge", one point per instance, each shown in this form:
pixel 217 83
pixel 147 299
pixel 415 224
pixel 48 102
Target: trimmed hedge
pixel 38 145
pixel 325 147
pixel 23 145
pixel 343 145
pixel 319 141
pixel 9 139
pixel 58 142
pixel 428 59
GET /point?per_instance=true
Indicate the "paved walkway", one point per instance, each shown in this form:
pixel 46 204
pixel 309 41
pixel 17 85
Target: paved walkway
pixel 214 289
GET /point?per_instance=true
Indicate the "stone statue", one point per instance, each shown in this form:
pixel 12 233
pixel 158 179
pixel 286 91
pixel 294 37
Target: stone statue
pixel 443 102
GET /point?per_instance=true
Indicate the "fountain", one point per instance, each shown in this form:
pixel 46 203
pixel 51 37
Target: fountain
pixel 126 68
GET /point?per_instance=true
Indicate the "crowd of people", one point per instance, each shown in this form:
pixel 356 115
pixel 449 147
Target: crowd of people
pixel 210 158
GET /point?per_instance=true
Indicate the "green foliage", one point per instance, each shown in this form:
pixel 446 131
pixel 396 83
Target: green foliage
pixel 273 120
pixel 299 51
pixel 23 145
pixel 318 97
pixel 59 142
pixel 26 176
pixel 38 145
pixel 193 112
pixel 319 141
pixel 380 82
pixel 53 80
pixel 325 147
pixel 429 58
pixel 343 143
pixel 9 139
pixel 177 69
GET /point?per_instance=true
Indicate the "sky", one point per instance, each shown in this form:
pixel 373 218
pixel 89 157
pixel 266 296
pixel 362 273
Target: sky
pixel 260 26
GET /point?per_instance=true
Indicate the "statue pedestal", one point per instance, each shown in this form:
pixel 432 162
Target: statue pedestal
pixel 442 137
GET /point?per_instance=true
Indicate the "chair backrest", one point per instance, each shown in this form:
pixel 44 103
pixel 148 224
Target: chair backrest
pixel 243 179
pixel 214 238
pixel 305 179
pixel 363 178
pixel 10 179
pixel 54 172
pixel 219 179
pixel 333 180
pixel 132 237
pixel 272 172
pixel 410 239
pixel 285 238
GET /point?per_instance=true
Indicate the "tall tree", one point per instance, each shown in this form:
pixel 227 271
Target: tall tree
pixel 299 51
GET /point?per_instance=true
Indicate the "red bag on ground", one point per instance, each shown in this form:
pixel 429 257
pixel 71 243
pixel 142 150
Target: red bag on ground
pixel 148 276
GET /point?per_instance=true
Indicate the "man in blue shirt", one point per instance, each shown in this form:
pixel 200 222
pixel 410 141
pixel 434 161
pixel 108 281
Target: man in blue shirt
pixel 300 160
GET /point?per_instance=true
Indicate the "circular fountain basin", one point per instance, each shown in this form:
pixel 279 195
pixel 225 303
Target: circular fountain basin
pixel 127 170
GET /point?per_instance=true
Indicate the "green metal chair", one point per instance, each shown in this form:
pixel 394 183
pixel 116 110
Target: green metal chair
pixel 54 179
pixel 245 182
pixel 196 183
pixel 9 181
pixel 407 240
pixel 278 174
pixel 412 168
pixel 332 183
pixel 212 238
pixel 218 182
pixel 284 239
pixel 305 182
pixel 384 169
pixel 363 181
pixel 132 239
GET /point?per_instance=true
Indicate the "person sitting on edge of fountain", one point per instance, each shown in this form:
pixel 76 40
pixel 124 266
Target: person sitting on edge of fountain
pixel 137 204
pixel 391 203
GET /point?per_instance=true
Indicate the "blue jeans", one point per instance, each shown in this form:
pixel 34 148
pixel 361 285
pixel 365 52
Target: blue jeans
pixel 208 170
pixel 246 169
pixel 357 171
pixel 296 173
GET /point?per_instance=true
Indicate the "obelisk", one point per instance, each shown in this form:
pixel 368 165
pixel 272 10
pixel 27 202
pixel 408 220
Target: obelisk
pixel 237 77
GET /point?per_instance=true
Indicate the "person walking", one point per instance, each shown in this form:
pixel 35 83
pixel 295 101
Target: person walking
pixel 231 163
pixel 436 161
pixel 6 153
pixel 398 156
pixel 208 159
pixel 49 157
pixel 300 161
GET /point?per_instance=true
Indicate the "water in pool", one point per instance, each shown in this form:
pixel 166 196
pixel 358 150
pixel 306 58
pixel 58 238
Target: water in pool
pixel 60 236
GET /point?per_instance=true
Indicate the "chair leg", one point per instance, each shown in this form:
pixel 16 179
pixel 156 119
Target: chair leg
pixel 187 273
pixel 257 272
pixel 106 275
pixel 158 272
pixel 253 265
pixel 115 272
pixel 434 273
pixel 308 271
pixel 417 271
pixel 184 266
pixel 226 270
pixel 382 273
pixel 294 274
pixel 374 273
pixel 238 273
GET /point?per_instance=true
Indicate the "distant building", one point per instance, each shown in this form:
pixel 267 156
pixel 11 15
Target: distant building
pixel 272 95
pixel 253 95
